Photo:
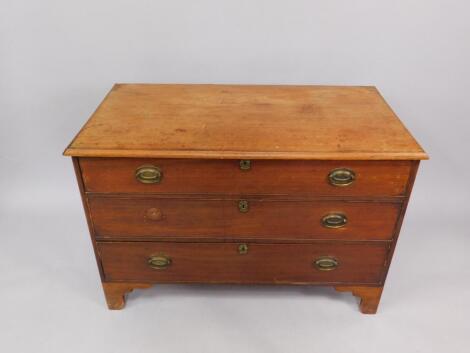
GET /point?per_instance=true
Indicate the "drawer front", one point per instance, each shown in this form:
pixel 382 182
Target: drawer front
pixel 115 217
pixel 187 176
pixel 137 217
pixel 258 263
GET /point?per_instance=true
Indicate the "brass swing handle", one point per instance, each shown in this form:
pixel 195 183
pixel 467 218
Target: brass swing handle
pixel 334 220
pixel 149 174
pixel 326 263
pixel 341 177
pixel 159 262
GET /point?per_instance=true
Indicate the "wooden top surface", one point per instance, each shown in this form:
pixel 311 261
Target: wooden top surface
pixel 245 122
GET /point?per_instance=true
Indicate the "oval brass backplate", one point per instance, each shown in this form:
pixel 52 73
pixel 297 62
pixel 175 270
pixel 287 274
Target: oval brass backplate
pixel 243 249
pixel 245 164
pixel 341 177
pixel 334 220
pixel 149 174
pixel 159 262
pixel 326 263
pixel 243 206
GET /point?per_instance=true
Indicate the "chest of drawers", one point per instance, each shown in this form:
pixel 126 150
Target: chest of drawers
pixel 244 184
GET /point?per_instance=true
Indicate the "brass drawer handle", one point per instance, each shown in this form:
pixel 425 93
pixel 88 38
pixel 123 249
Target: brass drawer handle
pixel 155 214
pixel 243 206
pixel 334 220
pixel 159 262
pixel 149 174
pixel 245 164
pixel 341 177
pixel 326 263
pixel 243 249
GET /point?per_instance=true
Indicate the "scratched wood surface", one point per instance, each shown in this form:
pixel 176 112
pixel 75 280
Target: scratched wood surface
pixel 275 177
pixel 146 218
pixel 245 121
pixel 263 263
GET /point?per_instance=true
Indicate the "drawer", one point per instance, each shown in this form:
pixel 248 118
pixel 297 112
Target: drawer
pixel 190 176
pixel 243 263
pixel 147 217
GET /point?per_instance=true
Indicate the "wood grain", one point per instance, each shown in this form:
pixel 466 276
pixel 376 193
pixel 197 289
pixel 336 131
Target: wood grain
pixel 115 293
pixel 305 178
pixel 409 188
pixel 247 122
pixel 86 208
pixel 369 297
pixel 118 217
pixel 222 263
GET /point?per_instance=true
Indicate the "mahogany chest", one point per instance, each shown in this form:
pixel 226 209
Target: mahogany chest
pixel 244 184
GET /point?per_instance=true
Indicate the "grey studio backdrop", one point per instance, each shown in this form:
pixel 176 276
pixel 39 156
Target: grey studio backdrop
pixel 59 58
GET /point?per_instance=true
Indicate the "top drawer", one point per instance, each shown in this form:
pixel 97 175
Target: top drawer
pixel 275 177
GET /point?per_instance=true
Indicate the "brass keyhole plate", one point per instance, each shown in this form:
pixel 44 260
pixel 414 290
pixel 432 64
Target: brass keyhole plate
pixel 242 249
pixel 243 206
